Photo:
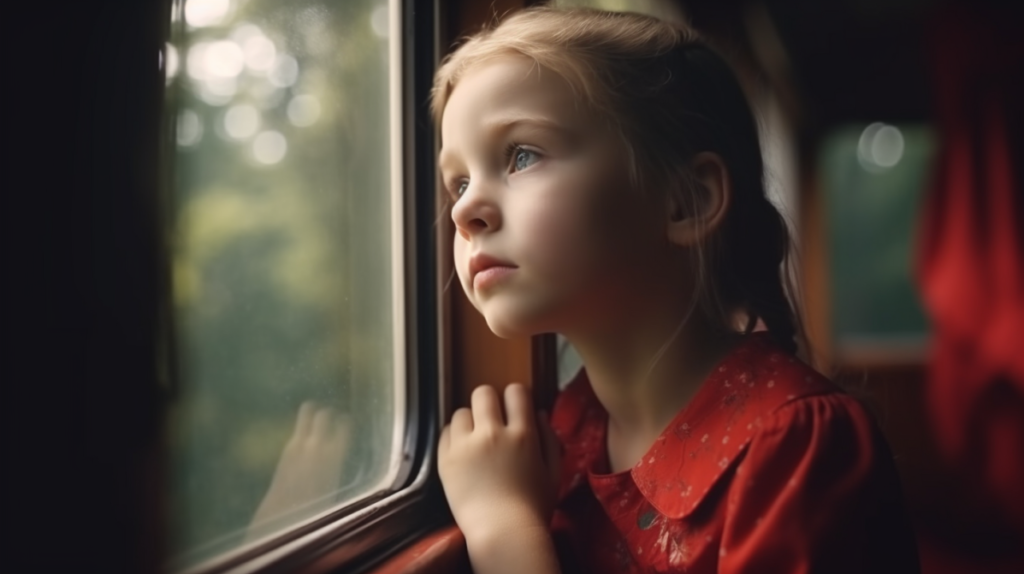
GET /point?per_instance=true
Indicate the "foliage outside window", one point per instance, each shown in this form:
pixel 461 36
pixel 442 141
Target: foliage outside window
pixel 288 401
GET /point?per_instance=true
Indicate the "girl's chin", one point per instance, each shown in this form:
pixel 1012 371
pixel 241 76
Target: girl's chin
pixel 506 329
pixel 511 323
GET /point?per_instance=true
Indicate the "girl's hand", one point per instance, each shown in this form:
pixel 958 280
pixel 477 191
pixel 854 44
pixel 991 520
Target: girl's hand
pixel 500 473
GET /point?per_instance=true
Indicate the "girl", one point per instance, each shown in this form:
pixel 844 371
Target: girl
pixel 606 182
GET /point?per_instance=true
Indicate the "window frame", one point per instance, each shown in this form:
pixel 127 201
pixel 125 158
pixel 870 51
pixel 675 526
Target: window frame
pixel 359 535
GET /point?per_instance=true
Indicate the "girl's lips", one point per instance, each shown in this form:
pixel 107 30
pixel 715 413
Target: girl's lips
pixel 487 270
pixel 491 276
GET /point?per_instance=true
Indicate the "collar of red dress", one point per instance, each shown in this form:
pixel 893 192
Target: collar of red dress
pixel 704 440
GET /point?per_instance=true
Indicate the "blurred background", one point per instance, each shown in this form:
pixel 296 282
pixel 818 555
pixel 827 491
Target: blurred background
pixel 200 237
pixel 894 141
pixel 894 138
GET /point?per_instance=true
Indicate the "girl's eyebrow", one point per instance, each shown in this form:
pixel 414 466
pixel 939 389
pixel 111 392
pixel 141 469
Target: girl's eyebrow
pixel 502 125
pixel 498 127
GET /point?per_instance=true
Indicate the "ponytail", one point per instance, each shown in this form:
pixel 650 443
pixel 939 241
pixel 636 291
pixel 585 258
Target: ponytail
pixel 758 254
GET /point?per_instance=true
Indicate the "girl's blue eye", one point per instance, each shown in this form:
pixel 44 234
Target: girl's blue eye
pixel 524 159
pixel 462 188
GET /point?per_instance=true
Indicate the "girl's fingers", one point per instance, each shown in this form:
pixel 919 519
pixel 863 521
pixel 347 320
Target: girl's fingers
pixel 486 408
pixel 462 422
pixel 519 406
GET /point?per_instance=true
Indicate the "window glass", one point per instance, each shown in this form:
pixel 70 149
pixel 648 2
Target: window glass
pixel 569 362
pixel 872 179
pixel 285 278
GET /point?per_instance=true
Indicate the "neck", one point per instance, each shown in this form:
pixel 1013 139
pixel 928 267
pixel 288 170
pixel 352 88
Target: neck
pixel 642 395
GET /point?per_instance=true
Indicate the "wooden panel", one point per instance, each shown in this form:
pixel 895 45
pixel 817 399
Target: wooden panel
pixel 479 356
pixel 814 269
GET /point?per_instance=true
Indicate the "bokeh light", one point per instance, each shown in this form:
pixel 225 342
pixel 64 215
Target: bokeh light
pixel 269 147
pixel 200 13
pixel 260 53
pixel 284 72
pixel 196 61
pixel 303 110
pixel 880 147
pixel 265 95
pixel 243 31
pixel 218 91
pixel 241 121
pixel 171 71
pixel 379 21
pixel 223 59
pixel 887 146
pixel 190 128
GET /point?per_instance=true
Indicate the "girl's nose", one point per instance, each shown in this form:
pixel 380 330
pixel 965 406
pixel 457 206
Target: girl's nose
pixel 475 213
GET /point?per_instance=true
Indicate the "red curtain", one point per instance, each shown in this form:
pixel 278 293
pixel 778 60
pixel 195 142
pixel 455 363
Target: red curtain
pixel 971 267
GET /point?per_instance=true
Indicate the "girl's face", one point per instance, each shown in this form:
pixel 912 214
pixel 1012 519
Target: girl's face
pixel 550 235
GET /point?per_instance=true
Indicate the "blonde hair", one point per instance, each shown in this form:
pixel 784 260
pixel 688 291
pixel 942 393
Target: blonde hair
pixel 669 96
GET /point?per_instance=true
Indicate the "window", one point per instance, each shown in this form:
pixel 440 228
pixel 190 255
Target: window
pixel 288 267
pixel 873 177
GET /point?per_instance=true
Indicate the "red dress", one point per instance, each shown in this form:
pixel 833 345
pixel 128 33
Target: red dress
pixel 770 468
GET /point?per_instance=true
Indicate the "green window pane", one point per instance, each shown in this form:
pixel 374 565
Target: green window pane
pixel 873 179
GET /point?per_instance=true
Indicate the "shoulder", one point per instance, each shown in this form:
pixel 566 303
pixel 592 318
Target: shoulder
pixel 831 411
pixel 815 464
pixel 815 452
pixel 818 466
pixel 809 422
pixel 826 437
pixel 805 411
pixel 748 395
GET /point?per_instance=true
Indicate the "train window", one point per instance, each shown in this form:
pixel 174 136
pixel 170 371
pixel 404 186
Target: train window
pixel 285 232
pixel 872 179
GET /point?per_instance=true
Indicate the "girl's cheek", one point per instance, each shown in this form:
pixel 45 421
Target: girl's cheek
pixel 562 236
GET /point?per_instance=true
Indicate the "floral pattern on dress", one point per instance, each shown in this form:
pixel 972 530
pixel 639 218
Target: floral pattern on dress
pixel 653 512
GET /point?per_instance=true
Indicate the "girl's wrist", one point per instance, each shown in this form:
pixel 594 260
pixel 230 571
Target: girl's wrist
pixel 513 548
pixel 505 528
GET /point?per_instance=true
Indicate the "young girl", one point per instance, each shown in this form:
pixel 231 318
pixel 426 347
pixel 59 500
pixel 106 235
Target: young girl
pixel 606 184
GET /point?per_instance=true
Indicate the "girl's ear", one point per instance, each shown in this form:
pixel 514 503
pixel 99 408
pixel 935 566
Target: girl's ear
pixel 689 225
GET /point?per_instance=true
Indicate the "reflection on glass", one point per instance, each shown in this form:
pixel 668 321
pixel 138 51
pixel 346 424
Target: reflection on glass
pixel 282 267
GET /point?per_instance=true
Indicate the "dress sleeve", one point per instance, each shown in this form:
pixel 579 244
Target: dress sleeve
pixel 817 492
